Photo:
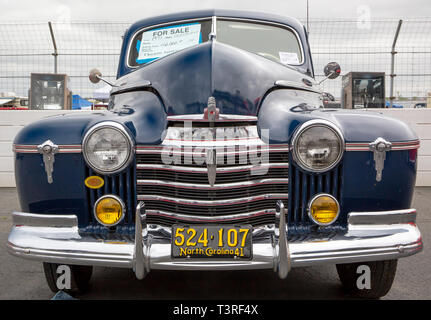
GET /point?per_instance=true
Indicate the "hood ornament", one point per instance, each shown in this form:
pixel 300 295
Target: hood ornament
pixel 211 112
pixel 48 149
pixel 379 147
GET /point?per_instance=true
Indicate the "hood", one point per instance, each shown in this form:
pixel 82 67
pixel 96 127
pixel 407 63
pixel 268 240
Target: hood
pixel 236 78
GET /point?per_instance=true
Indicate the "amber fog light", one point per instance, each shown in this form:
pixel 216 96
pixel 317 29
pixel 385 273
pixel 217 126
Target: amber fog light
pixel 109 210
pixel 323 209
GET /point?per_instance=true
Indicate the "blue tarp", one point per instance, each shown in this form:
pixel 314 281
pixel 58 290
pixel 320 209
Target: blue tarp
pixel 79 103
pixel 388 104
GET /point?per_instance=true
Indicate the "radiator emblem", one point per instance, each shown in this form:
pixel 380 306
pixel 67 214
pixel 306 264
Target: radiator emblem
pixel 379 147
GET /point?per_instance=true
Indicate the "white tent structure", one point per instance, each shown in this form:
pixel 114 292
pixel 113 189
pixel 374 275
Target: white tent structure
pixel 102 93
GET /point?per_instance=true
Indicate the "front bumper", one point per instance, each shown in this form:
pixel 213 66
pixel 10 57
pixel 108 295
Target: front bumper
pixel 371 236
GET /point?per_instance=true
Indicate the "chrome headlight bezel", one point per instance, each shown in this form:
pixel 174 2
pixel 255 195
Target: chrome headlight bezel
pixel 314 198
pixel 317 123
pixel 120 129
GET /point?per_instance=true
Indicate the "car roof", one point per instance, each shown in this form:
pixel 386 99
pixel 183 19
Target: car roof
pixel 216 12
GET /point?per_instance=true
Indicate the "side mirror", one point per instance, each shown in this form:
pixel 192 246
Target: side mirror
pixel 95 76
pixel 332 70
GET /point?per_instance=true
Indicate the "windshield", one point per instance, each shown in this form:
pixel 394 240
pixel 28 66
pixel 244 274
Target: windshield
pixel 276 43
pixel 272 42
pixel 155 43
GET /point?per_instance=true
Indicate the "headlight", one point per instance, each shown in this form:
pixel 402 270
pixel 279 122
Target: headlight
pixel 107 147
pixel 317 145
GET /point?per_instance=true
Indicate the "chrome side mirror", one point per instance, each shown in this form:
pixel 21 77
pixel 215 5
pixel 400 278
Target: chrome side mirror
pixel 332 70
pixel 95 76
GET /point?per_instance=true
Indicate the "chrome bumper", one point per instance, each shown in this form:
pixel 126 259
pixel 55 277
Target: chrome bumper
pixel 371 236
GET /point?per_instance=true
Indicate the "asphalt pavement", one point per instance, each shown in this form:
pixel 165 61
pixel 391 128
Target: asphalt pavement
pixel 24 279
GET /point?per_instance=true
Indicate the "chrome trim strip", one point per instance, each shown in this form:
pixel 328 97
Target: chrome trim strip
pixel 43 220
pixel 219 170
pixel 382 217
pixel 198 218
pixel 220 186
pixel 20 148
pixel 222 118
pixel 361 243
pixel 212 202
pixel 213 33
pixel 184 149
pixel 295 85
pixel 365 146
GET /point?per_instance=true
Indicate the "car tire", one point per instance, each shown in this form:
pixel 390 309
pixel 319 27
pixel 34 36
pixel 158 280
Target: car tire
pixel 382 276
pixel 80 277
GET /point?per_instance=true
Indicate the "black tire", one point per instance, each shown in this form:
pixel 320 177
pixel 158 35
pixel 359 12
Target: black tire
pixel 80 277
pixel 382 277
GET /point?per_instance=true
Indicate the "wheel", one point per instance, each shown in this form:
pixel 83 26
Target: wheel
pixel 382 274
pixel 80 277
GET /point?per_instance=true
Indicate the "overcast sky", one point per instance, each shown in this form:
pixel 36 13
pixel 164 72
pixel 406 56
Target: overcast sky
pixel 130 10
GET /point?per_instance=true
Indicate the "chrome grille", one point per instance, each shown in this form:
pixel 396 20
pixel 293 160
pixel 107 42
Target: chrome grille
pixel 180 192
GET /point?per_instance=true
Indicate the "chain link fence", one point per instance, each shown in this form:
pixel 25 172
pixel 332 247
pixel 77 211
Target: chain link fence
pixel 366 47
pixel 356 45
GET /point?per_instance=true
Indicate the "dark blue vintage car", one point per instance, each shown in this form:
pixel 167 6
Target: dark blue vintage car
pixel 216 154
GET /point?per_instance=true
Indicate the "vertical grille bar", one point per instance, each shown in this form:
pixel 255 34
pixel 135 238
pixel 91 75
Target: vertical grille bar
pixel 90 199
pixel 335 182
pixel 129 183
pixel 297 196
pixel 327 182
pixel 319 183
pixel 304 195
pixel 133 193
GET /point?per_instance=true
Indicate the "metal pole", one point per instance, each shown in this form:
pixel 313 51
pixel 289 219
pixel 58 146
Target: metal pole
pixel 307 20
pixel 55 54
pixel 393 53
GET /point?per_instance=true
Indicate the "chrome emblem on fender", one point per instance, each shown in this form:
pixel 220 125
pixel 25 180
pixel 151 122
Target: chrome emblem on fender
pixel 379 147
pixel 48 149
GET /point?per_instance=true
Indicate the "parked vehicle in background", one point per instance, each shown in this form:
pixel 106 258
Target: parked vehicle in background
pixel 420 105
pixel 10 101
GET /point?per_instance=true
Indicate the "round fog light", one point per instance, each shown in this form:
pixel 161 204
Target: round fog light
pixel 109 210
pixel 323 209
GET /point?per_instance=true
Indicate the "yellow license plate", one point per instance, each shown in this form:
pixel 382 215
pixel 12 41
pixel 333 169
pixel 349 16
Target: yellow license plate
pixel 203 241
